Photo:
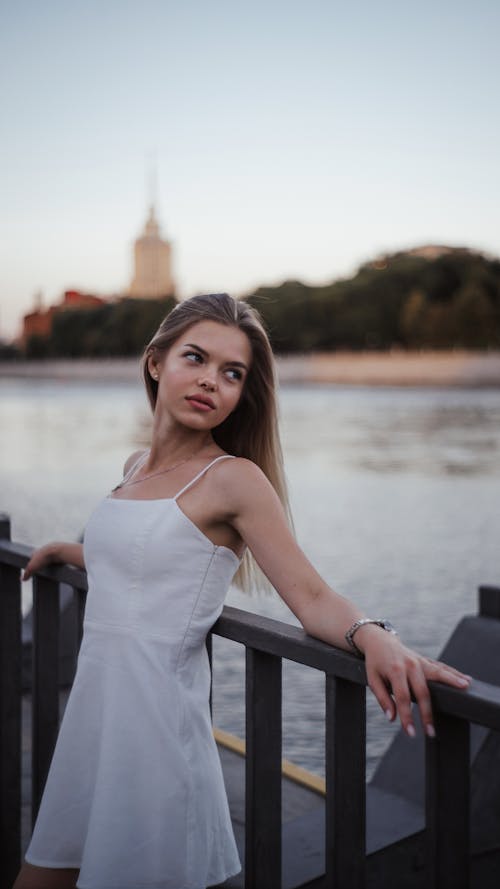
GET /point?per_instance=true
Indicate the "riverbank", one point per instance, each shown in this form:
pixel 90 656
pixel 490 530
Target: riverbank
pixel 393 368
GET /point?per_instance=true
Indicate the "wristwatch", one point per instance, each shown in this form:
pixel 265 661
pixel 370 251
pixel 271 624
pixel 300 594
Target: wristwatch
pixel 380 622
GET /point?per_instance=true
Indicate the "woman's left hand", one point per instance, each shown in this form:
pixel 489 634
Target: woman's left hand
pixel 395 673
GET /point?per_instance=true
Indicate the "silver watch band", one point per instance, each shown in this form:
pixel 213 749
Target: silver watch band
pixel 379 621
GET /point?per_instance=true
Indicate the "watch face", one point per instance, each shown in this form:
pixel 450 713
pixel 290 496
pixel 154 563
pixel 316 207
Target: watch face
pixel 386 624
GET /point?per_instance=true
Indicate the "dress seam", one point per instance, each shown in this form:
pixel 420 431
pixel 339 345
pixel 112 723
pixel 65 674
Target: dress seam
pixel 195 604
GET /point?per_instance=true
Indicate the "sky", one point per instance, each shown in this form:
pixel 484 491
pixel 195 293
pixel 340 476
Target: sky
pixel 290 140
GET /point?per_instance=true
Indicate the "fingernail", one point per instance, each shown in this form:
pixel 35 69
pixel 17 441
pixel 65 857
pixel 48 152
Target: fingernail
pixel 410 730
pixel 464 681
pixel 388 715
pixel 430 731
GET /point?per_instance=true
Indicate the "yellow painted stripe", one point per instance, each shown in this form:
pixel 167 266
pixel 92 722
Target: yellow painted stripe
pixel 290 770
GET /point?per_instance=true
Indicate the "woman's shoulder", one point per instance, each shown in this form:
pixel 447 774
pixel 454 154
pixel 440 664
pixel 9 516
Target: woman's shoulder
pixel 235 464
pixel 239 487
pixel 238 472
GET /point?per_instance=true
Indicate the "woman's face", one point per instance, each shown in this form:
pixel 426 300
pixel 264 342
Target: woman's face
pixel 202 376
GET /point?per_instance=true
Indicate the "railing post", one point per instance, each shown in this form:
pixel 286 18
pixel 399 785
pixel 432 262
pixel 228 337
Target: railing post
pixel 81 600
pixel 45 704
pixel 263 771
pixel 489 601
pixel 345 820
pixel 10 714
pixel 447 804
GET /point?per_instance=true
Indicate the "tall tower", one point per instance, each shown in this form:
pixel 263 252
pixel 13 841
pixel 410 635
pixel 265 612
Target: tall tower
pixel 152 263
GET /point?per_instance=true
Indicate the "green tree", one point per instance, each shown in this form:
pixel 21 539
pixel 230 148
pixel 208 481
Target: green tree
pixel 37 347
pixel 476 319
pixel 112 329
pixel 412 319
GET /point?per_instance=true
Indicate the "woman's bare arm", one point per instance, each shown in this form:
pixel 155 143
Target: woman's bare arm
pixel 394 671
pixel 57 551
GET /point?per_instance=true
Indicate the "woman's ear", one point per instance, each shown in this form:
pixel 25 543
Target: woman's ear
pixel 153 367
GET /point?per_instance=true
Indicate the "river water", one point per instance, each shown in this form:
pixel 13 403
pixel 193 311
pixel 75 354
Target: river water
pixel 395 493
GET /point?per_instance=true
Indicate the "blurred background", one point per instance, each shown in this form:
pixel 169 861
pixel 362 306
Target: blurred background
pixel 265 143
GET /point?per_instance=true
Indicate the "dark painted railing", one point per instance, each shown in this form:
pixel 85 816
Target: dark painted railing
pixel 267 642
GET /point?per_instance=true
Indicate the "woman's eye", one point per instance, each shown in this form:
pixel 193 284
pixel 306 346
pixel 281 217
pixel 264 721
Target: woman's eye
pixel 234 374
pixel 193 356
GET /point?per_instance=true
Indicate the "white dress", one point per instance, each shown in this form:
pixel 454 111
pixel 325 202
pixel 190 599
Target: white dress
pixel 135 796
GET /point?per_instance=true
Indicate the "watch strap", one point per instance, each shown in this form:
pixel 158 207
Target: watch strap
pixel 362 622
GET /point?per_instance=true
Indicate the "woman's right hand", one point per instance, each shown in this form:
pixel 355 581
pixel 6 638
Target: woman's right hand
pixel 40 558
pixel 57 551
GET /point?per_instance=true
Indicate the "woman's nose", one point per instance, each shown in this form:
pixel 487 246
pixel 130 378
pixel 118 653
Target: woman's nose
pixel 207 381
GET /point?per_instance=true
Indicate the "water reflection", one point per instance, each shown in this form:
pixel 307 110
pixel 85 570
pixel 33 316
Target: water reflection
pixel 396 430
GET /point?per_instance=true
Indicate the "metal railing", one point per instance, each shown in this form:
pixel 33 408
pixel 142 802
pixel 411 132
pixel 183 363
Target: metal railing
pixel 267 643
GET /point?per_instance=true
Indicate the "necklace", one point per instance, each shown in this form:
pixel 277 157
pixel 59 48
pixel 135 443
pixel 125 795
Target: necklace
pixel 136 481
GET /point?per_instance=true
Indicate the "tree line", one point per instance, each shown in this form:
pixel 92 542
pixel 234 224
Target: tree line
pixel 118 329
pixel 401 300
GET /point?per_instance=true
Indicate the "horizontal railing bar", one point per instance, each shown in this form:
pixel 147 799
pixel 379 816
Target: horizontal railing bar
pixel 479 704
pixel 292 643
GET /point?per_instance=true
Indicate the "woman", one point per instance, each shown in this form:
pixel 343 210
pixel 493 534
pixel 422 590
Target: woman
pixel 135 795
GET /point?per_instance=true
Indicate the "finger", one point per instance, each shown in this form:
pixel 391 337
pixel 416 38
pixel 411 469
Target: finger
pixel 402 698
pixel 422 696
pixel 383 697
pixel 440 672
pixel 30 568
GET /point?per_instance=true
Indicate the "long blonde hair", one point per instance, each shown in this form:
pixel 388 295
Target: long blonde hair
pixel 251 430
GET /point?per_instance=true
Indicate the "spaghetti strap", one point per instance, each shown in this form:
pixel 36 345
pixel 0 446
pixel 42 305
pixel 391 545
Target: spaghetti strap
pixel 140 460
pixel 203 471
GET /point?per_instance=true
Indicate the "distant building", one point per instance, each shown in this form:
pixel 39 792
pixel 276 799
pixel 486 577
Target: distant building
pixel 74 299
pixel 39 321
pixel 152 263
pixel 152 280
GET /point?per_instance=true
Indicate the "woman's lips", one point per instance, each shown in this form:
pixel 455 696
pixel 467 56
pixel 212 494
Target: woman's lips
pixel 202 402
